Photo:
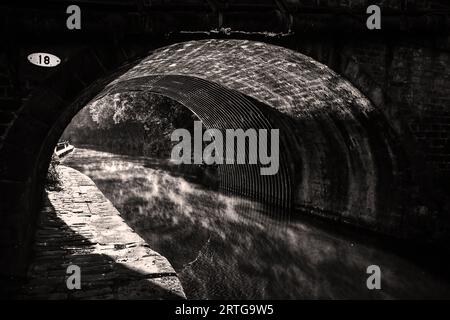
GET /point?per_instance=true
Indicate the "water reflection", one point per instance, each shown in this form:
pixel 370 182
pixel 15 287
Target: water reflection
pixel 222 247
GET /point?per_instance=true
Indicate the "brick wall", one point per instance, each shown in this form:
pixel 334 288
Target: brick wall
pixel 415 79
pixel 7 96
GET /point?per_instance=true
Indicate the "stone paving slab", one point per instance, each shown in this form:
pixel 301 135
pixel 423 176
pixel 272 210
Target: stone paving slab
pixel 79 226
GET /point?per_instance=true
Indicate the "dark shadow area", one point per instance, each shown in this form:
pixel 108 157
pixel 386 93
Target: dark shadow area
pixel 432 257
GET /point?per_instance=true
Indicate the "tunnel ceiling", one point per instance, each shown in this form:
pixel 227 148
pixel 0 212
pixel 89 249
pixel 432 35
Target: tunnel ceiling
pixel 282 78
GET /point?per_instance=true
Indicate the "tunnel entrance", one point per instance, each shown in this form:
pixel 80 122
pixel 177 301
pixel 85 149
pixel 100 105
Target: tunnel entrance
pixel 340 158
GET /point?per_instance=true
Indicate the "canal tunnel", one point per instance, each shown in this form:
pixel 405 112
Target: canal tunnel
pixel 339 157
pixel 338 153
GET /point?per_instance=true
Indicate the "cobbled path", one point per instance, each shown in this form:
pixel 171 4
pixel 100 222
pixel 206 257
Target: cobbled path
pixel 79 226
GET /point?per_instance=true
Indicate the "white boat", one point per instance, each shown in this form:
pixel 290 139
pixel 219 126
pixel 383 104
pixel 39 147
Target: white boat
pixel 63 148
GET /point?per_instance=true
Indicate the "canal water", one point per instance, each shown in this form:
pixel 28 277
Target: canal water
pixel 222 247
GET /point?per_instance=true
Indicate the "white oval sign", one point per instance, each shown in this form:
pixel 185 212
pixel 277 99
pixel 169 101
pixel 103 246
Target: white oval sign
pixel 44 59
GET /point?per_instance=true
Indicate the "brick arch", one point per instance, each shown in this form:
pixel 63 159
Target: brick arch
pixel 340 160
pixel 344 154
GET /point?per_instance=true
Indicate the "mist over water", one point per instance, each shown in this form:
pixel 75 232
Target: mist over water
pixel 223 247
